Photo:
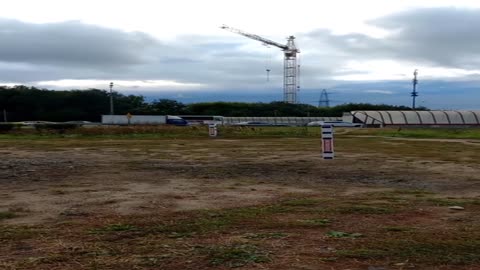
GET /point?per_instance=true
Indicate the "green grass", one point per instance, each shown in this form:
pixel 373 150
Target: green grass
pixel 336 234
pixel 146 132
pixel 430 250
pixel 398 229
pixel 151 132
pixel 238 255
pixel 316 222
pixel 7 215
pixel 208 221
pixel 115 228
pixel 422 133
pixel 364 209
pixel 301 202
pixel 257 236
pixel 17 233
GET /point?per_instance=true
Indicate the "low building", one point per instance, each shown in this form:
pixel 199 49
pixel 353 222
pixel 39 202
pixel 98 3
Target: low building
pixel 414 118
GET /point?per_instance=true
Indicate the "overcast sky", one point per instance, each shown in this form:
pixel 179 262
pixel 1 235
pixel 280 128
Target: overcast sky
pixel 365 49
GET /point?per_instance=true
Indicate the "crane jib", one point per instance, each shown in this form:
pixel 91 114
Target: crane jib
pixel 290 78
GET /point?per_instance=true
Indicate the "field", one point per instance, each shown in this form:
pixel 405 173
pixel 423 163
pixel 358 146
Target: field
pixel 263 198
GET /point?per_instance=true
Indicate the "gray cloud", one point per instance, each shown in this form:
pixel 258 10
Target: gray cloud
pixel 444 37
pixel 73 50
pixel 72 43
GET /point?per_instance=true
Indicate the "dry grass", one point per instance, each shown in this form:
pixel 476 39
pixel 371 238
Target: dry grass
pixel 380 203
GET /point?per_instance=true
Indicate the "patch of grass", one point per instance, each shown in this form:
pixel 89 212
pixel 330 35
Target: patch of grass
pixel 411 192
pixel 7 215
pixel 19 209
pixel 153 260
pixel 336 234
pixel 16 232
pixel 115 228
pixel 398 229
pixel 301 202
pixel 207 221
pixel 275 235
pixel 49 259
pixel 399 197
pixel 58 192
pixel 422 133
pixel 163 131
pixel 363 253
pixel 450 201
pixel 190 227
pixel 236 255
pixel 364 209
pixel 316 222
pixel 459 252
pixel 399 194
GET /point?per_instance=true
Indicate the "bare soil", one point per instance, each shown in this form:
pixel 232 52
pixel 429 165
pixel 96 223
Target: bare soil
pixel 247 203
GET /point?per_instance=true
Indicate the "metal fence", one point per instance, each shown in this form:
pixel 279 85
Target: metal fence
pixel 293 121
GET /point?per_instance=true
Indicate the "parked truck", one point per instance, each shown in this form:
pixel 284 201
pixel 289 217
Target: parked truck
pixel 143 120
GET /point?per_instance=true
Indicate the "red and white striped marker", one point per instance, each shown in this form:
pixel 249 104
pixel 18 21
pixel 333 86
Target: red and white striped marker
pixel 212 130
pixel 327 142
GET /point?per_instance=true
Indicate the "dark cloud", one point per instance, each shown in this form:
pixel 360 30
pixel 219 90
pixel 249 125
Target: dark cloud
pixel 29 52
pixel 445 37
pixel 72 43
pixel 73 50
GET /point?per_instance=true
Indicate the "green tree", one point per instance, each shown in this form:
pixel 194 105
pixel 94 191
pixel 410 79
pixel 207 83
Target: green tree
pixel 166 106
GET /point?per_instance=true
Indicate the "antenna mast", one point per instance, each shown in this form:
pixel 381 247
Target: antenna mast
pixel 414 92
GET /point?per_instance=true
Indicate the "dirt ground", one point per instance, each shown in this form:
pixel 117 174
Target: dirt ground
pixel 269 203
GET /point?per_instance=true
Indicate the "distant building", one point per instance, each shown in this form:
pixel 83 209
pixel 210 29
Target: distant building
pixel 414 118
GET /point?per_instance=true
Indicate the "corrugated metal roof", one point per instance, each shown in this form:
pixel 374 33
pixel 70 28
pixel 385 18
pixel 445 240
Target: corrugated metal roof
pixel 418 117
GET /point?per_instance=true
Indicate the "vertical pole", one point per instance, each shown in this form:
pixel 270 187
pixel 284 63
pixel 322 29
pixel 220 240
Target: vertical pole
pixel 111 98
pixel 414 93
pixel 5 115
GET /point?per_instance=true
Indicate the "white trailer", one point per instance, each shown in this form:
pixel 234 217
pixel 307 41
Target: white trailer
pixel 142 120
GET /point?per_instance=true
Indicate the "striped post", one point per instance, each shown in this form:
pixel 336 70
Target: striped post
pixel 212 130
pixel 327 142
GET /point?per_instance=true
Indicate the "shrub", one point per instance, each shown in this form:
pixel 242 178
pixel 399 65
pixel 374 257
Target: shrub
pixel 6 127
pixel 59 128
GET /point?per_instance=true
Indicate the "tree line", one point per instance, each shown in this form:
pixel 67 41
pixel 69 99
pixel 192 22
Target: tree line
pixel 22 103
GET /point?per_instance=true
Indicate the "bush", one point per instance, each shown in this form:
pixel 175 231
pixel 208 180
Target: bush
pixel 6 127
pixel 59 128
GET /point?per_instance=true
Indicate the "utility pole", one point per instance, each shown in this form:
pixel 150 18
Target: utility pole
pixel 5 115
pixel 414 93
pixel 111 98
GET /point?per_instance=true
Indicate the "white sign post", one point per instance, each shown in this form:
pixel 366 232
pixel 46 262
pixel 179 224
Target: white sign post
pixel 212 130
pixel 129 117
pixel 327 142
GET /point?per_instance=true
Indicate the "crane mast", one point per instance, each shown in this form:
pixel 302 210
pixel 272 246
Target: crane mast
pixel 290 67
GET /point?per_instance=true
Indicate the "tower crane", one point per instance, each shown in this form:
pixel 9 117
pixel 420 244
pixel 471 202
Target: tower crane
pixel 290 72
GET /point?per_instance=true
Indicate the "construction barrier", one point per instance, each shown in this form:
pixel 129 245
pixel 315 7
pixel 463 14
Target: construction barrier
pixel 212 130
pixel 327 142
